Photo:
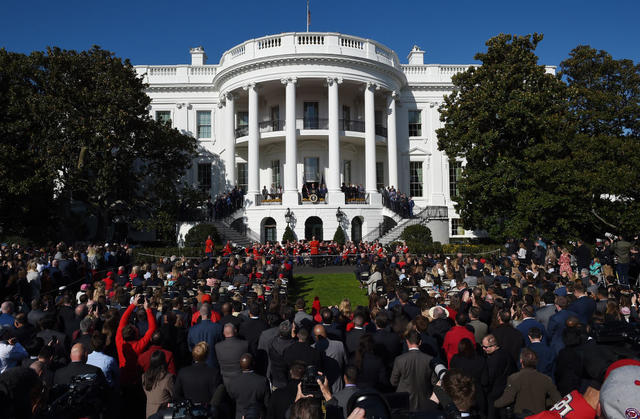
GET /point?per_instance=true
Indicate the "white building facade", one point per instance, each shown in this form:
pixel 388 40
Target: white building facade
pixel 295 109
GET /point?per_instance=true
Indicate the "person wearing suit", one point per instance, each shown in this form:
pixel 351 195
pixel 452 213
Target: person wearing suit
pixel 529 322
pixel 198 382
pixel 341 398
pixel 249 390
pixel 353 336
pixel 229 351
pixel 387 343
pixel 528 388
pixel 334 357
pixel 412 374
pixel 205 331
pixel 333 329
pixel 282 398
pixel 78 366
pixel 544 313
pixel 546 355
pixel 499 366
pixel 557 323
pixel 508 337
pixel 251 329
pixel 584 306
pixel 301 351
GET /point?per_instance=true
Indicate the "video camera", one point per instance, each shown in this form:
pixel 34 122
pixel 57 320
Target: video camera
pixel 82 397
pixel 185 409
pixel 310 384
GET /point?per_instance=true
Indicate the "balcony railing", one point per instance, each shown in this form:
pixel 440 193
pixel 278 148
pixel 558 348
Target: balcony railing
pixel 351 125
pixel 310 124
pixel 271 126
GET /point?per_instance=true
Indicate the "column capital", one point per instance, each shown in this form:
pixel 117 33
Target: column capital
pixel 373 86
pixel 332 79
pixel 394 95
pixel 228 96
pixel 249 86
pixel 288 80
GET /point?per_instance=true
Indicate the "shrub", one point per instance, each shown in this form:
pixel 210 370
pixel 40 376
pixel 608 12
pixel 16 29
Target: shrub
pixel 199 233
pixel 339 236
pixel 289 235
pixel 417 233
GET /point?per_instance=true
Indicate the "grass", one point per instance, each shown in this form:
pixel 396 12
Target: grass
pixel 330 288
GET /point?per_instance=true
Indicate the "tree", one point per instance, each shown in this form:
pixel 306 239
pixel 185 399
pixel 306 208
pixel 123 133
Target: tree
pixel 339 237
pixel 197 236
pixel 604 98
pixel 508 120
pixel 417 233
pixel 289 235
pixel 88 132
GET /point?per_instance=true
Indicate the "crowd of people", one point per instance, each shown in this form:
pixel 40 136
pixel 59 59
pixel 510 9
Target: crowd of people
pixel 398 202
pixel 225 204
pixel 88 332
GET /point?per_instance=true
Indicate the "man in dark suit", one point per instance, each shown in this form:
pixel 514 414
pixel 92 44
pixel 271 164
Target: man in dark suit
pixel 508 337
pixel 334 331
pixel 229 351
pixel 529 322
pixel 341 398
pixel 557 323
pixel 412 374
pixel 499 366
pixel 198 382
pixel 387 343
pixel 282 398
pixel 301 351
pixel 546 355
pixel 543 314
pixel 206 331
pixel 249 390
pixel 352 339
pixel 78 366
pixel 584 306
pixel 250 329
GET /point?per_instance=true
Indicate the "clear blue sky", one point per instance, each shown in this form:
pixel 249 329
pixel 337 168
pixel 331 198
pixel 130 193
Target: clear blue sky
pixel 451 32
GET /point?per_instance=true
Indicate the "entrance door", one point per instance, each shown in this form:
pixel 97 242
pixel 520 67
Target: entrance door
pixel 269 230
pixel 313 227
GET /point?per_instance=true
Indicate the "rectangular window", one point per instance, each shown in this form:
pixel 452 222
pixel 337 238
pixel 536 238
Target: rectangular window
pixel 415 123
pixel 276 124
pixel 203 124
pixel 415 178
pixel 346 170
pixel 163 117
pixel 242 176
pixel 311 115
pixel 275 173
pixel 346 118
pixel 379 175
pixel 456 227
pixel 243 124
pixel 204 176
pixel 455 172
pixel 311 169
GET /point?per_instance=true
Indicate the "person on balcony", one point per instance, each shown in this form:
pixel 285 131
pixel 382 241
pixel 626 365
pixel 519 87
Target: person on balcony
pixel 265 193
pixel 273 192
pixel 305 192
pixel 322 192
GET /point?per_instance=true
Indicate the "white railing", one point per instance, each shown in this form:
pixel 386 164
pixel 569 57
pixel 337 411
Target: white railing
pixel 384 52
pixel 202 71
pixel 414 69
pixel 310 39
pixel 162 71
pixel 237 51
pixel 351 42
pixel 269 42
pixel 450 70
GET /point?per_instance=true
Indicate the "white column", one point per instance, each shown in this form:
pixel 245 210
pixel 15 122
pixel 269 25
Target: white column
pixel 253 169
pixel 392 143
pixel 230 149
pixel 438 175
pixel 336 197
pixel 290 195
pixel 370 138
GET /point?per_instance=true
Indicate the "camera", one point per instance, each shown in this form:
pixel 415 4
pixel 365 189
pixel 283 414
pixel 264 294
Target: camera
pixel 185 409
pixel 439 369
pixel 82 397
pixel 141 299
pixel 310 384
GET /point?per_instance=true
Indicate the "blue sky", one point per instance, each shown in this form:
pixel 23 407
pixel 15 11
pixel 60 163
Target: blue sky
pixel 451 32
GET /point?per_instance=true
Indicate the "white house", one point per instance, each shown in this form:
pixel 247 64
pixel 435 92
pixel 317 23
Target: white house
pixel 295 109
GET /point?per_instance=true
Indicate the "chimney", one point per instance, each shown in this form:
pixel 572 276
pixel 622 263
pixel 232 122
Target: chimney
pixel 416 56
pixel 198 57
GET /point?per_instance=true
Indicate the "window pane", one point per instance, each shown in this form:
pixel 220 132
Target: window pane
pixel 415 178
pixel 311 169
pixel 204 176
pixel 346 170
pixel 455 172
pixel 164 117
pixel 379 175
pixel 456 227
pixel 242 176
pixel 203 124
pixel 275 173
pixel 415 124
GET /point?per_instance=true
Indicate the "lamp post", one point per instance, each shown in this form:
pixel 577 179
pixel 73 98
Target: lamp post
pixel 340 216
pixel 287 216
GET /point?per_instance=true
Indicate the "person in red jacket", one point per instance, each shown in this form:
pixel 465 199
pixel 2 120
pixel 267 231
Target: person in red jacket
pixel 129 345
pixel 144 360
pixel 455 335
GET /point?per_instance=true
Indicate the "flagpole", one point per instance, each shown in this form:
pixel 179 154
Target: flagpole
pixel 308 15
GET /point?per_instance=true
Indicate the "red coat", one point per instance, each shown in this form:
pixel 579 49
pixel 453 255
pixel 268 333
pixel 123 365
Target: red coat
pixel 453 338
pixel 129 351
pixel 145 358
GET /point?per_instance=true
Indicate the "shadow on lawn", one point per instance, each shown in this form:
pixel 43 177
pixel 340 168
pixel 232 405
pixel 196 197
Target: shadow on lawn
pixel 300 288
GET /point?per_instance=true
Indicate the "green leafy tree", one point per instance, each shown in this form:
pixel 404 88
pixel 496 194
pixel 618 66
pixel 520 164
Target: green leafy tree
pixel 418 237
pixel 604 98
pixel 339 236
pixel 508 119
pixel 289 235
pixel 197 236
pixel 87 134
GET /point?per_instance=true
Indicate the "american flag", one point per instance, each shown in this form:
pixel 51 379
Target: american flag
pixel 308 16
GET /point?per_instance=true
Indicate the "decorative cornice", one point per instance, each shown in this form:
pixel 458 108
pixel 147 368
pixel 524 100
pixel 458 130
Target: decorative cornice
pixel 181 88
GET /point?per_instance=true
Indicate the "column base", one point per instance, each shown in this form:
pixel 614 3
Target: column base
pixel 375 198
pixel 289 198
pixel 335 198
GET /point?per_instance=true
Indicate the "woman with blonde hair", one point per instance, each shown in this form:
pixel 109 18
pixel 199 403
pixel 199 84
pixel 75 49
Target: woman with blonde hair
pixel 345 308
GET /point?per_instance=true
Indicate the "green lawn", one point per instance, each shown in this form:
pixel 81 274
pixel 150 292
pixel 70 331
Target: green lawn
pixel 330 288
